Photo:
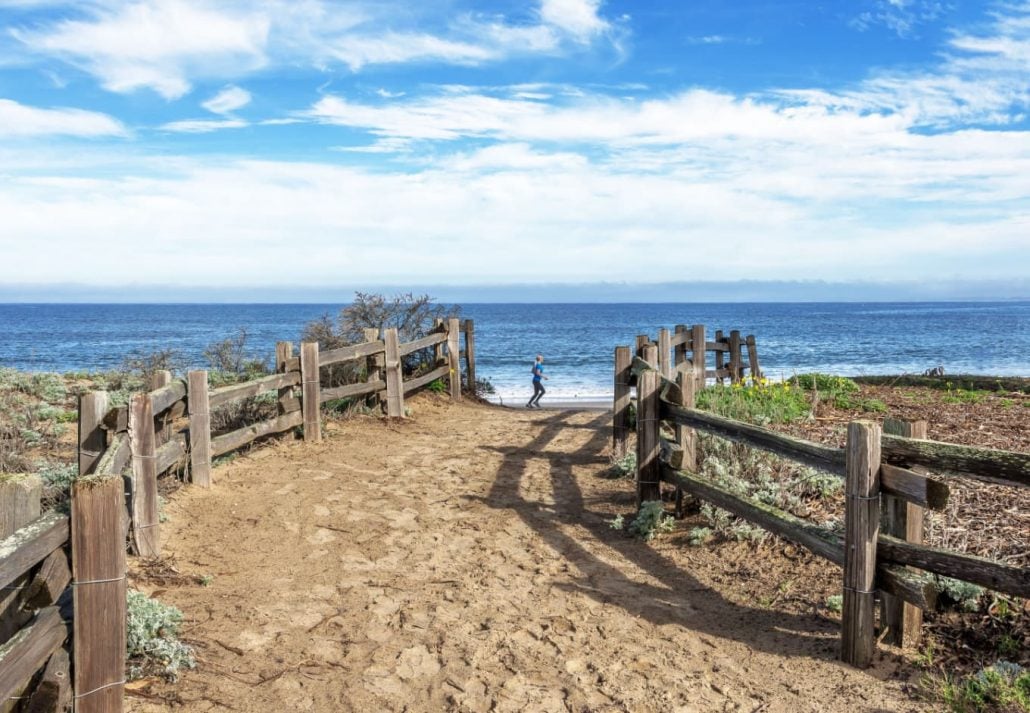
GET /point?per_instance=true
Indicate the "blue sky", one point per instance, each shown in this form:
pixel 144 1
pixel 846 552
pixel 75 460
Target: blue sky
pixel 320 142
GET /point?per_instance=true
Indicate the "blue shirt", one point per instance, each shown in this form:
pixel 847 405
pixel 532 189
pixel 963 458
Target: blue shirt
pixel 538 371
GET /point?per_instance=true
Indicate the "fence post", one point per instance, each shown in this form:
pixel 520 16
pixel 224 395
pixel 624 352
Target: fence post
pixel 438 326
pixel 664 353
pixel 283 352
pixel 642 341
pixel 98 566
pixel 394 376
pixel 310 391
pixel 200 428
pixel 620 410
pixel 146 528
pixel 904 520
pixel 373 369
pixel 720 356
pixel 680 350
pixel 736 360
pixel 19 506
pixel 648 467
pixel 697 354
pixel 162 424
pixel 453 358
pixel 686 437
pixel 470 354
pixel 92 438
pixel 861 528
pixel 752 357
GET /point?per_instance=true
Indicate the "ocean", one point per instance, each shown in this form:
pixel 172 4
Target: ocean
pixel 577 340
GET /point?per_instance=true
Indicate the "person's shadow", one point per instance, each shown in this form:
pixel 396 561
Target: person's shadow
pixel 681 598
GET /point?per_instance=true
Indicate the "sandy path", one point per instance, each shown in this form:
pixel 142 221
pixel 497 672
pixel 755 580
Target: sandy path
pixel 462 560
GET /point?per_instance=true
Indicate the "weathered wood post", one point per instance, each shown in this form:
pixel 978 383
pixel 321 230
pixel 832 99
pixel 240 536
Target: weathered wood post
pixel 861 529
pixel 453 358
pixel 438 326
pixel 697 354
pixel 686 437
pixel 98 566
pixel 146 526
pixel 469 328
pixel 310 387
pixel 642 341
pixel 648 465
pixel 394 376
pixel 373 368
pixel 752 357
pixel 162 423
pixel 283 353
pixel 904 520
pixel 680 350
pixel 736 360
pixel 620 407
pixel 200 428
pixel 665 353
pixel 720 356
pixel 92 437
pixel 19 506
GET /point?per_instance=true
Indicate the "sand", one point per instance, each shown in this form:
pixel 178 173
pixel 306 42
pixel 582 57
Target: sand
pixel 462 561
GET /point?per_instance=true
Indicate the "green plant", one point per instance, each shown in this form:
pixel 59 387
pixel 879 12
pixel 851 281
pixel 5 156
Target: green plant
pixel 624 467
pixel 206 580
pixel 152 643
pixel 825 383
pixel 958 594
pixel 1001 686
pixel 651 521
pixel 759 402
pixel 439 386
pixel 229 357
pixel 617 523
pixel 835 603
pixel 699 536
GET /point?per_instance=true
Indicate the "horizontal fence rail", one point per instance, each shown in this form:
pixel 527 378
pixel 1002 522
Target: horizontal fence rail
pixel 882 470
pixel 166 428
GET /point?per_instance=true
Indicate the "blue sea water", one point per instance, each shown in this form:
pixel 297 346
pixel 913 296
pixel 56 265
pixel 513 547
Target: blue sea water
pixel 577 340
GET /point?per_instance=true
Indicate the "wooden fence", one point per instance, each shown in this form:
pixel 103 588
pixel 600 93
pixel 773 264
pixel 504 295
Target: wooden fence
pixel 884 472
pixel 122 452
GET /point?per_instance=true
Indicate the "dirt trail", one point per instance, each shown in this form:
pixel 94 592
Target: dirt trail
pixel 462 560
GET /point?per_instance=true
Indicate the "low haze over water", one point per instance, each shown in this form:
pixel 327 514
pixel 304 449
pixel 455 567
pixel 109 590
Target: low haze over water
pixel 577 340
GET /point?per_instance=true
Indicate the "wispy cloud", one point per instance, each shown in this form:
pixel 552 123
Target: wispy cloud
pixel 202 126
pixel 156 44
pixel 228 100
pixel 903 17
pixel 20 120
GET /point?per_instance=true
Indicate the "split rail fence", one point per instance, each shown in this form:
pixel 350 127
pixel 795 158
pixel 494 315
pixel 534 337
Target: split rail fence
pixel 63 576
pixel 885 481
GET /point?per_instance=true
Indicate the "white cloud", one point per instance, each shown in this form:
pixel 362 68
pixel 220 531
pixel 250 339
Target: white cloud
pixel 356 51
pixel 579 18
pixel 156 44
pixel 20 120
pixel 228 100
pixel 202 126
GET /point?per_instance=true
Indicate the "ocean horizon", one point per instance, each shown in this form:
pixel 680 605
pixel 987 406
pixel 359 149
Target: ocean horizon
pixel 577 339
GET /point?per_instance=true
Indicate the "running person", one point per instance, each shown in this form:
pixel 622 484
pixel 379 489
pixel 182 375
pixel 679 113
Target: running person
pixel 538 386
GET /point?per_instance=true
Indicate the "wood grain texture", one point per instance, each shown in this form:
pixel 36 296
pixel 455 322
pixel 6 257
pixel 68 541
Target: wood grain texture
pixel 423 343
pixel 28 546
pixel 620 410
pixel 648 436
pixel 454 358
pixel 426 379
pixel 359 389
pixel 28 650
pixel 237 439
pixel 352 353
pixel 1007 467
pixel 98 566
pixel 664 353
pixel 275 382
pixel 697 354
pixel 146 526
pixel 50 581
pixel 903 516
pixel 752 356
pixel 283 353
pixel 394 376
pixel 310 387
pixel 861 530
pixel 92 437
pixel 54 692
pixel 469 327
pixel 200 429
pixel 736 365
pixel 374 368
